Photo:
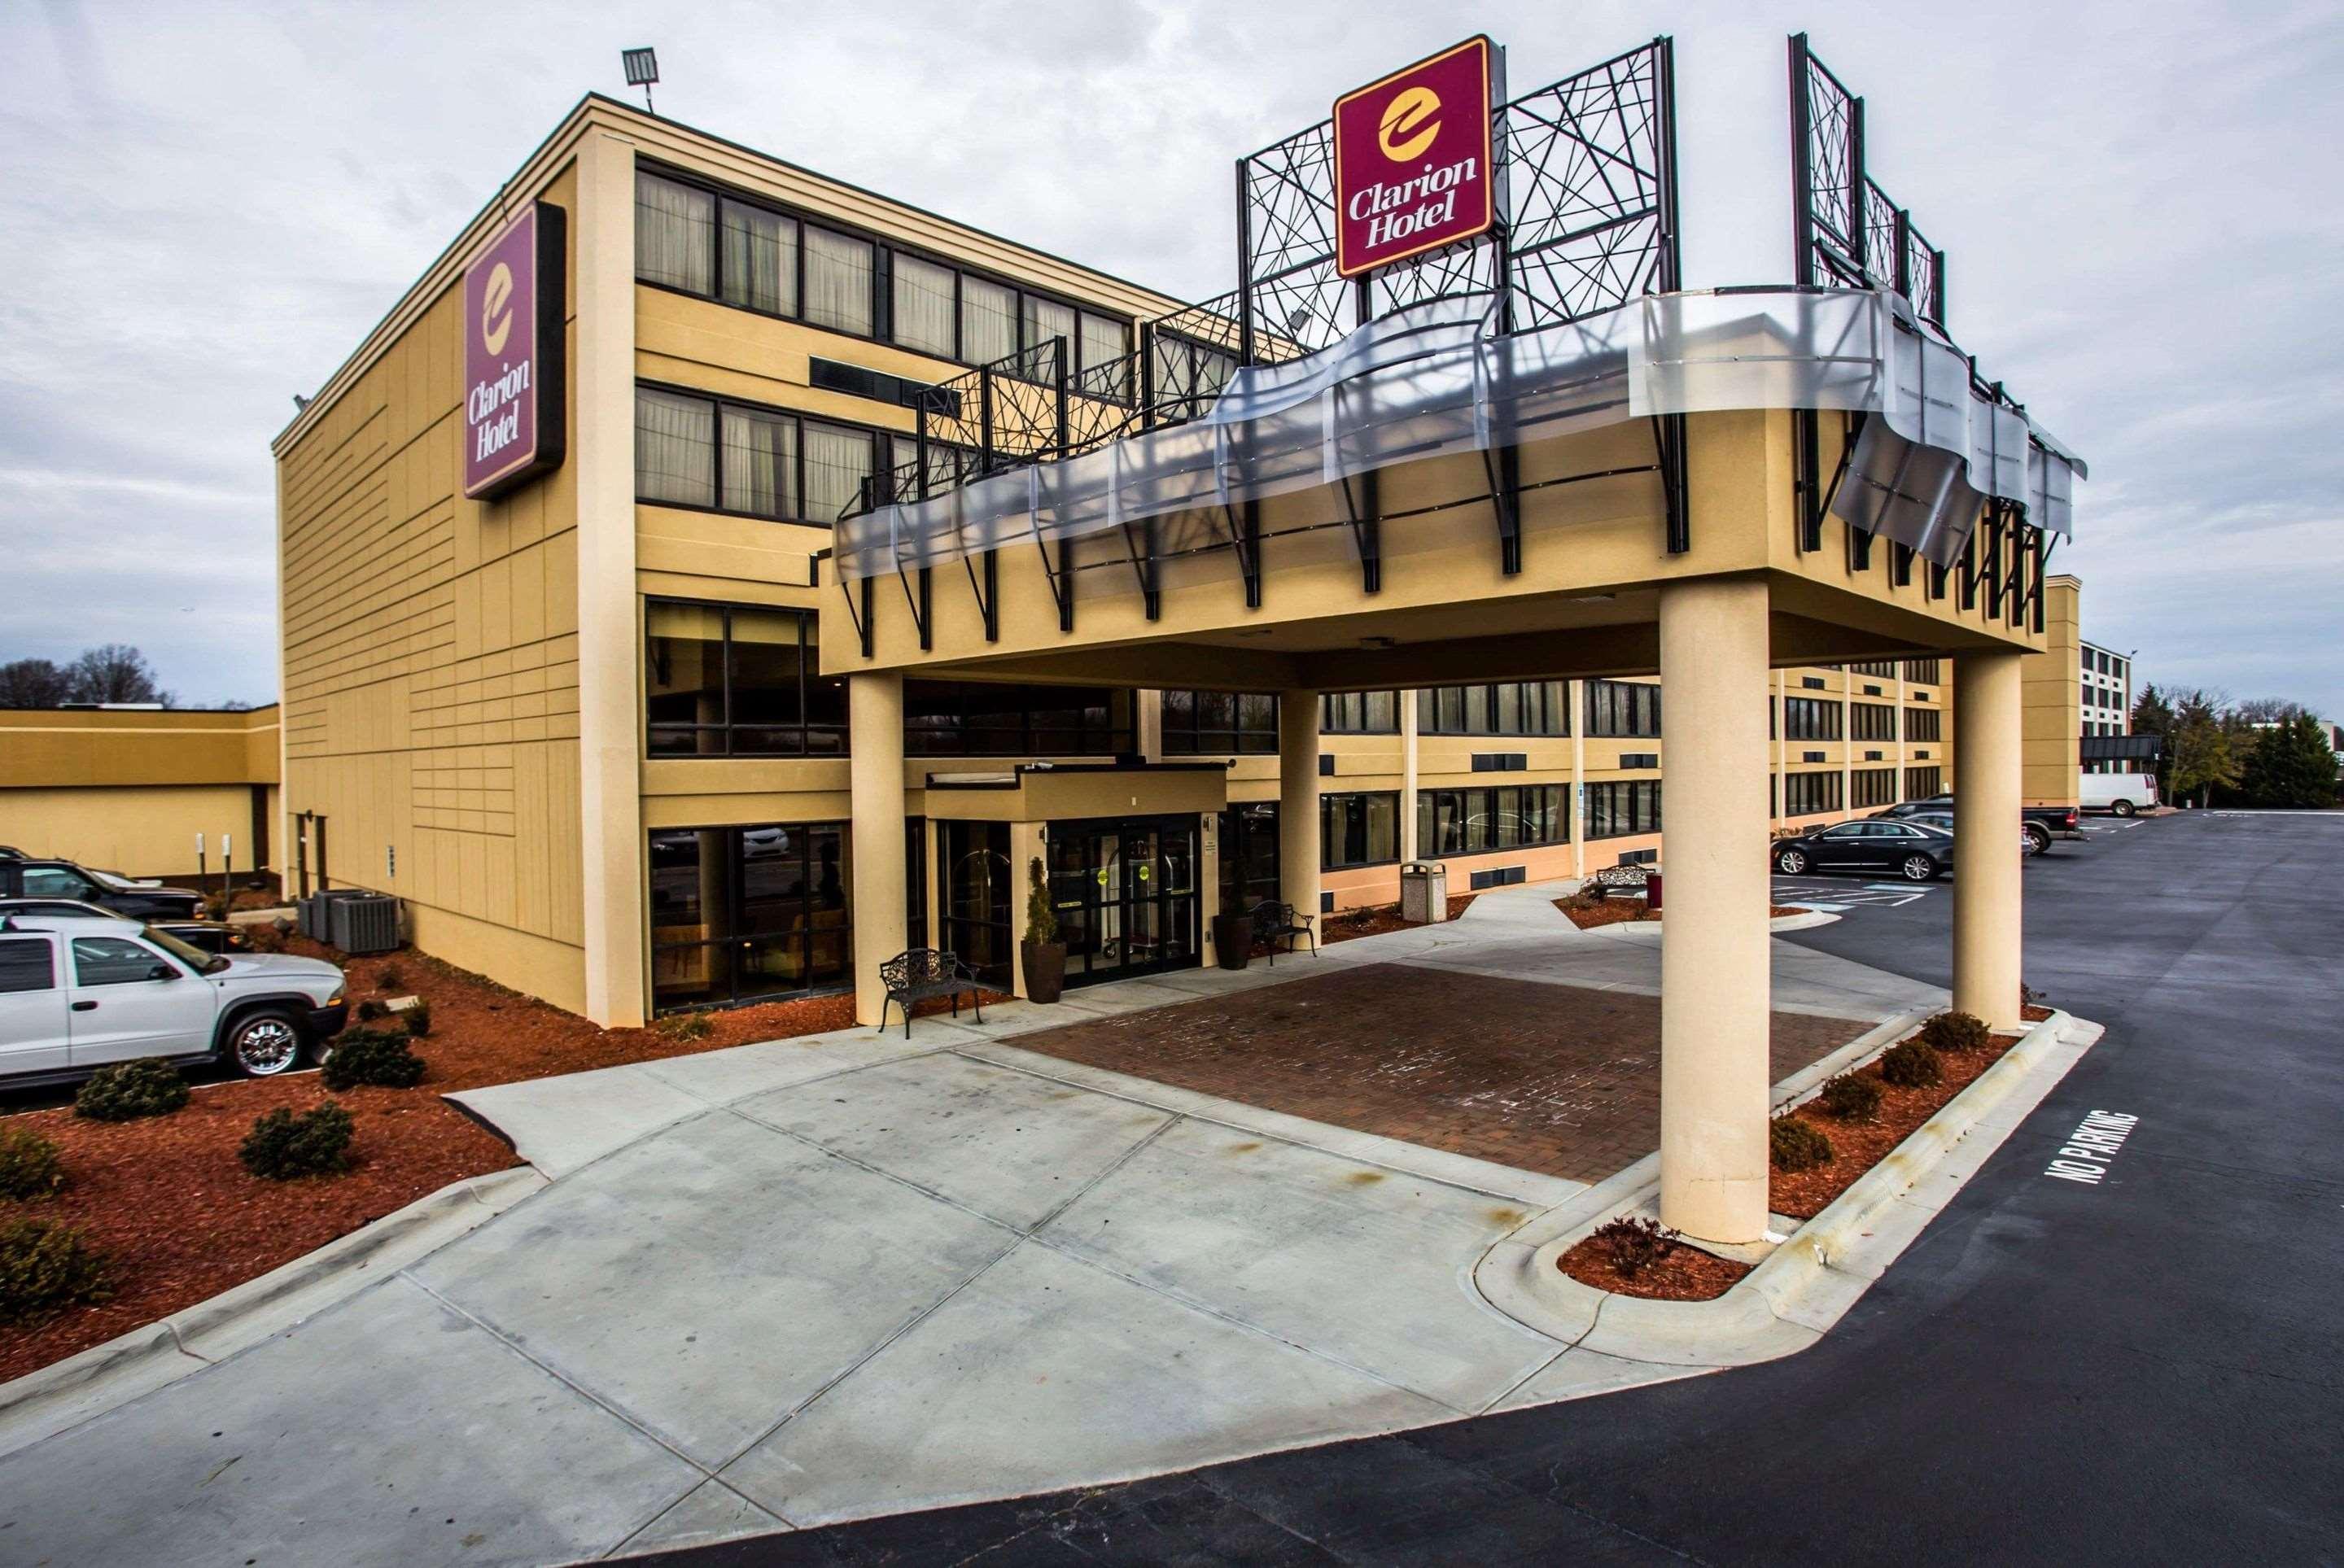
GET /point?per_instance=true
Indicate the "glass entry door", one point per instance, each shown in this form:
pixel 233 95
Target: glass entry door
pixel 1125 895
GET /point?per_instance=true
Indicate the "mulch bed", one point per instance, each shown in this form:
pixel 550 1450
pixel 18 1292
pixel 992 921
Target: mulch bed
pixel 1686 1274
pixel 1590 913
pixel 1346 924
pixel 180 1220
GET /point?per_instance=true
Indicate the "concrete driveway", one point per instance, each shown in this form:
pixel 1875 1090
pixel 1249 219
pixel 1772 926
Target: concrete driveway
pixel 820 1280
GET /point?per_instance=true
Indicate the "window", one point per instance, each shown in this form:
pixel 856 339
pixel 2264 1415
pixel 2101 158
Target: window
pixel 1360 713
pixel 1810 719
pixel 1361 829
pixel 1811 682
pixel 1924 724
pixel 27 964
pixel 1616 810
pixel 1805 794
pixel 1189 375
pixel 1619 707
pixel 1874 787
pixel 1504 817
pixel 988 719
pixel 693 451
pixel 838 273
pixel 1106 345
pixel 1518 708
pixel 1887 667
pixel 1248 855
pixel 759 259
pixel 988 321
pixel 675 449
pixel 1044 320
pixel 1874 720
pixel 1922 783
pixel 1220 723
pixel 925 296
pixel 674 227
pixel 1926 672
pixel 740 913
pixel 113 960
pixel 738 681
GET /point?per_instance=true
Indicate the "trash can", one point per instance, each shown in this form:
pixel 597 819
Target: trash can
pixel 1423 892
pixel 1232 940
pixel 1652 890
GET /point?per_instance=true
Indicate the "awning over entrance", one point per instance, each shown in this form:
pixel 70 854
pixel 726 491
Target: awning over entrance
pixel 1047 793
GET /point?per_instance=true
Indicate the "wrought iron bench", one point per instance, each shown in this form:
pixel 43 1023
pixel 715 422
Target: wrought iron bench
pixel 1272 921
pixel 1600 884
pixel 916 974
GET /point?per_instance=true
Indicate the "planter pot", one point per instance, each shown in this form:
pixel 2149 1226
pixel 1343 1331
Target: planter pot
pixel 1045 969
pixel 1232 940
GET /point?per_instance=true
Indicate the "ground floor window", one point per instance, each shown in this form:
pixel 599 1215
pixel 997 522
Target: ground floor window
pixel 1502 816
pixel 1248 855
pixel 1359 829
pixel 974 883
pixel 1920 783
pixel 746 913
pixel 1874 787
pixel 1805 794
pixel 1616 810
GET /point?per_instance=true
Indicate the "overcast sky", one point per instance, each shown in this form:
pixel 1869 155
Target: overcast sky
pixel 204 207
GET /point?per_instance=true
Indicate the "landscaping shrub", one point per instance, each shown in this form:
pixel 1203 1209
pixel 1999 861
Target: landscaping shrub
pixel 418 1019
pixel 45 1267
pixel 1797 1144
pixel 283 1146
pixel 264 939
pixel 375 1056
pixel 685 1026
pixel 390 979
pixel 1912 1064
pixel 1956 1032
pixel 371 1010
pixel 1850 1096
pixel 1630 1246
pixel 29 1165
pixel 129 1090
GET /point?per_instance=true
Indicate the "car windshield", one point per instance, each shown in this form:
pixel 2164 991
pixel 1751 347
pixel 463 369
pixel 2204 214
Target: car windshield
pixel 196 959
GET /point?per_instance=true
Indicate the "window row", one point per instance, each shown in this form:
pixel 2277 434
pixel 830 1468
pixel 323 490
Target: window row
pixel 1874 720
pixel 988 719
pixel 1887 667
pixel 1360 713
pixel 697 451
pixel 1810 719
pixel 700 241
pixel 1621 708
pixel 1924 723
pixel 1512 708
pixel 1359 829
pixel 1500 817
pixel 1220 724
pixel 1617 811
pixel 1922 671
pixel 1924 783
pixel 1805 794
pixel 1873 787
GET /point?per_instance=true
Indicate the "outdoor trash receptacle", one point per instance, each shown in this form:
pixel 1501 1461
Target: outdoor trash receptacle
pixel 1652 888
pixel 1423 892
pixel 1232 940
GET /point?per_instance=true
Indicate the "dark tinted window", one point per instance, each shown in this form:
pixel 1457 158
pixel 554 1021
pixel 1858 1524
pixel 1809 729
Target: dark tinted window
pixel 112 961
pixel 26 964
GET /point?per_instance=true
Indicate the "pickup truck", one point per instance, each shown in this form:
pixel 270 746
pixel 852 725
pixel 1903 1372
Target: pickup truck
pixel 78 993
pixel 2041 823
pixel 33 878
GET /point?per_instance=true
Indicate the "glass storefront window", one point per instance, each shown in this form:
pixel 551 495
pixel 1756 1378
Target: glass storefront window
pixel 745 914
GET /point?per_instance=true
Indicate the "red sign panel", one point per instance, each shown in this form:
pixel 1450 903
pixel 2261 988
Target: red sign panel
pixel 514 427
pixel 1412 160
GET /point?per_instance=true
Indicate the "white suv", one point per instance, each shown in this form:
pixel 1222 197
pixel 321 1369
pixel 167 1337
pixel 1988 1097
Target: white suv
pixel 78 993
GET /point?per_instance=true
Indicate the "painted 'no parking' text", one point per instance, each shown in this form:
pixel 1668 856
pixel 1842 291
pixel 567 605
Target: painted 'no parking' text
pixel 2084 1156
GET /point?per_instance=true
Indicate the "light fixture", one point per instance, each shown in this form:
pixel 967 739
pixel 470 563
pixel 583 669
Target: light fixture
pixel 642 70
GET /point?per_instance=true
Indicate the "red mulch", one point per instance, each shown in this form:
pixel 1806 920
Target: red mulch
pixel 1858 1146
pixel 1683 1273
pixel 1593 912
pixel 1346 924
pixel 180 1220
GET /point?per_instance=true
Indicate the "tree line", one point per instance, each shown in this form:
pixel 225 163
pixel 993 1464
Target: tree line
pixel 112 672
pixel 2263 751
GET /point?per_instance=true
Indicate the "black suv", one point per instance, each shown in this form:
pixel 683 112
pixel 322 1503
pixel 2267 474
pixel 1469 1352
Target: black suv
pixel 2038 822
pixel 64 879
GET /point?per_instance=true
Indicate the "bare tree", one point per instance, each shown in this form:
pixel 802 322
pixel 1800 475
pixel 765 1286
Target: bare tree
pixel 32 683
pixel 2260 711
pixel 115 672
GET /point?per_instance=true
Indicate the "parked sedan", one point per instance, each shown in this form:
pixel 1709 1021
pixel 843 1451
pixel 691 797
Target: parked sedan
pixel 64 879
pixel 204 936
pixel 2029 842
pixel 1873 848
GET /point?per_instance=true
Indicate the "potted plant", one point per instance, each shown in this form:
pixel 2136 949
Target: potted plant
pixel 1232 938
pixel 1042 953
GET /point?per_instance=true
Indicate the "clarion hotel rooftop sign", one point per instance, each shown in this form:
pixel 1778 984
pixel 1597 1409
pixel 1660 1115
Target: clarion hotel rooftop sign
pixel 513 396
pixel 1412 155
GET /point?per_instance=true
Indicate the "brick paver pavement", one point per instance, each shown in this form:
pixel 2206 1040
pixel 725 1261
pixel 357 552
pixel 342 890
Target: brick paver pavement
pixel 1550 1078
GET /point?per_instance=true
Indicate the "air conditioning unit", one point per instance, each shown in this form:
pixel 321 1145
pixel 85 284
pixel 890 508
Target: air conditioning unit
pixel 364 922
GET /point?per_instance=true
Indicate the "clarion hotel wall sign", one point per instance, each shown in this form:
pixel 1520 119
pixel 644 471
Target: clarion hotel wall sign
pixel 513 395
pixel 1412 160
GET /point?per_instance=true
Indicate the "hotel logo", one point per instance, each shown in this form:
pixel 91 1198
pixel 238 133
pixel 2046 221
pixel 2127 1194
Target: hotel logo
pixel 513 424
pixel 1413 160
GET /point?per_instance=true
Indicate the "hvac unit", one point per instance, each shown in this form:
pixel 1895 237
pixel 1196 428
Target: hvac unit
pixel 364 922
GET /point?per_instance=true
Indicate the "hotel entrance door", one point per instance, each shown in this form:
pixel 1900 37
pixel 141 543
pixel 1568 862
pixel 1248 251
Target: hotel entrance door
pixel 1124 890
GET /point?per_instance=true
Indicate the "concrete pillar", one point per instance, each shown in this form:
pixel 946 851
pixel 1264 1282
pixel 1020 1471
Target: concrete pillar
pixel 1410 849
pixel 1578 700
pixel 1987 694
pixel 874 717
pixel 1714 978
pixel 1298 800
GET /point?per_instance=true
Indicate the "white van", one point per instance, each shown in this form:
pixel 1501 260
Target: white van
pixel 2121 793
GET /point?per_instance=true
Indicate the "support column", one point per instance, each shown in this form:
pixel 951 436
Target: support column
pixel 874 717
pixel 1715 975
pixel 1410 849
pixel 1298 800
pixel 1577 700
pixel 1987 692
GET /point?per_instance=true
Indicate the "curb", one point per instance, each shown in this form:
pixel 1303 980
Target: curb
pixel 63 1395
pixel 1800 1291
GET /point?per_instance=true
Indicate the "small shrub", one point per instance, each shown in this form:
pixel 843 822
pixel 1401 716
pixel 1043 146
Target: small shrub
pixel 44 1268
pixel 685 1026
pixel 1630 1246
pixel 283 1146
pixel 372 1056
pixel 263 939
pixel 370 1009
pixel 1796 1143
pixel 1954 1031
pixel 1912 1064
pixel 1850 1096
pixel 418 1019
pixel 29 1167
pixel 390 979
pixel 129 1090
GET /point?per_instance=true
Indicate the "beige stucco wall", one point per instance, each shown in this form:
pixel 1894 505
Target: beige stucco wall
pixel 129 790
pixel 2053 713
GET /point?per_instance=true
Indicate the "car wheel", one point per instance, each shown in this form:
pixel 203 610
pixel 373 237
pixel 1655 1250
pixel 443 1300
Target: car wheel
pixel 2121 808
pixel 2040 834
pixel 2029 845
pixel 264 1044
pixel 1791 862
pixel 1918 868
